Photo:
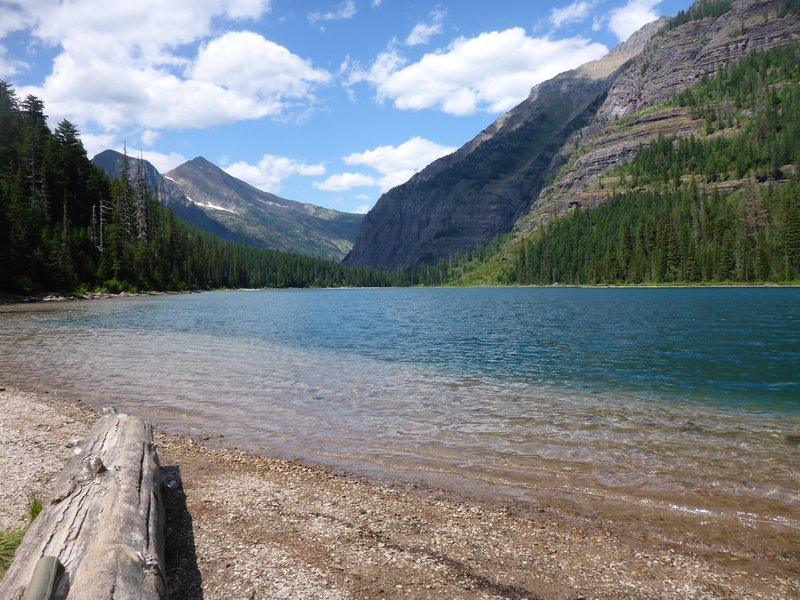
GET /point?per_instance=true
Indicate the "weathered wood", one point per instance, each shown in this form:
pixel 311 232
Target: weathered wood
pixel 104 522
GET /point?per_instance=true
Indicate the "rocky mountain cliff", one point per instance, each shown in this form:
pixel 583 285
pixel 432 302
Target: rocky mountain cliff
pixel 631 116
pixel 571 130
pixel 207 197
pixel 479 191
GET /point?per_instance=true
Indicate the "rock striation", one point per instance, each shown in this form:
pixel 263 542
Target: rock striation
pixel 672 61
pixel 681 57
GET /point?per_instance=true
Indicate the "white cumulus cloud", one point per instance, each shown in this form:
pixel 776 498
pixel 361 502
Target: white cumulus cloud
pixel 148 65
pixel 423 32
pixel 392 165
pixel 572 13
pixel 397 164
pixel 162 162
pixel 628 19
pixel 229 61
pixel 9 66
pixel 149 137
pixel 342 182
pixel 491 72
pixel 271 171
pixel 13 18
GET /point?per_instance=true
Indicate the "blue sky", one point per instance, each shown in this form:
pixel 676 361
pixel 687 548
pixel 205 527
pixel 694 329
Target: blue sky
pixel 328 101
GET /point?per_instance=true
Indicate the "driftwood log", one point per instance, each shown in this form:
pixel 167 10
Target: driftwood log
pixel 105 520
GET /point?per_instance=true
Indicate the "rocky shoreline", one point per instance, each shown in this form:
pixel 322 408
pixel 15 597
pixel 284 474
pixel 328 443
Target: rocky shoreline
pixel 6 298
pixel 246 526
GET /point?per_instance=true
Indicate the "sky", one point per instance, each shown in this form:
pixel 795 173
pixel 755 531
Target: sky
pixel 331 102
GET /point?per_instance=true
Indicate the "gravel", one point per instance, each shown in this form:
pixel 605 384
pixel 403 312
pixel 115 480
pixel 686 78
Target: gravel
pixel 253 527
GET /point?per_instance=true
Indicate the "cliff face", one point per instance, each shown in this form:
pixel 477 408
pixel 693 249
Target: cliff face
pixel 575 127
pixel 672 61
pixel 679 58
pixel 479 191
pixel 469 199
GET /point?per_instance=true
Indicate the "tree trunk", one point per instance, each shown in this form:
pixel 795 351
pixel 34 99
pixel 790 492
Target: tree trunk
pixel 104 522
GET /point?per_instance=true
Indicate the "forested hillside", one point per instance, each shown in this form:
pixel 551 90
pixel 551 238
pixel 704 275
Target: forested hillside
pixel 723 207
pixel 719 206
pixel 66 226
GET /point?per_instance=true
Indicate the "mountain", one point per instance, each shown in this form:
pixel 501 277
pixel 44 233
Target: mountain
pixel 545 157
pixel 264 219
pixel 167 191
pixel 211 199
pixel 721 204
pixel 79 232
pixel 688 50
pixel 479 191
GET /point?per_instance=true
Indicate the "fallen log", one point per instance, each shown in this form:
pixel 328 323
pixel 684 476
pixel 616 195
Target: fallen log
pixel 104 522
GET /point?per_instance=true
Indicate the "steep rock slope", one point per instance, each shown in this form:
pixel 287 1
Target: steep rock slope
pixel 479 191
pixel 264 219
pixel 631 115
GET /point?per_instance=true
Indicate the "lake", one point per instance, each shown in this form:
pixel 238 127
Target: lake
pixel 621 402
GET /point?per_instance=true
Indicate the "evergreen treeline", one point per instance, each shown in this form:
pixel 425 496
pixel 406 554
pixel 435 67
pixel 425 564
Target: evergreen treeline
pixel 66 226
pixel 758 119
pixel 722 208
pixel 699 10
pixel 450 270
pixel 788 7
pixel 672 236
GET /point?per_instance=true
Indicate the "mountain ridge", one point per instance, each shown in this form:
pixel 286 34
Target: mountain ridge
pixel 281 224
pixel 209 198
pixel 719 204
pixel 479 191
pixel 437 213
pixel 168 192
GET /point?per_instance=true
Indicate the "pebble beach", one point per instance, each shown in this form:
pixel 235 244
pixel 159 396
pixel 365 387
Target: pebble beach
pixel 247 526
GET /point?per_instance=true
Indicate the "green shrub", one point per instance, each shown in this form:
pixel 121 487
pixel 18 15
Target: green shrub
pixel 10 539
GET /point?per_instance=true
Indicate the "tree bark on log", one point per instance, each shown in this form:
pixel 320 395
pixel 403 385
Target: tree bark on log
pixel 105 522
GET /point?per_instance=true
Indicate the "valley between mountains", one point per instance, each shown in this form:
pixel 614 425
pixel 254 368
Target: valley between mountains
pixel 486 213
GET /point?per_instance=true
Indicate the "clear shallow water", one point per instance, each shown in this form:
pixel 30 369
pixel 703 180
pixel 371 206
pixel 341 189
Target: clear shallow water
pixel 684 400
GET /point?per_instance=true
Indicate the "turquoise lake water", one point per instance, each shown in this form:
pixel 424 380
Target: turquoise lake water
pixel 687 399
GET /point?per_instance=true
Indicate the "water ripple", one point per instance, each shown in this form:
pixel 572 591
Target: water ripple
pixel 670 398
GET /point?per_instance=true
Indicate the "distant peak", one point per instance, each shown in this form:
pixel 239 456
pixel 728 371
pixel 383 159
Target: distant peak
pixel 107 152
